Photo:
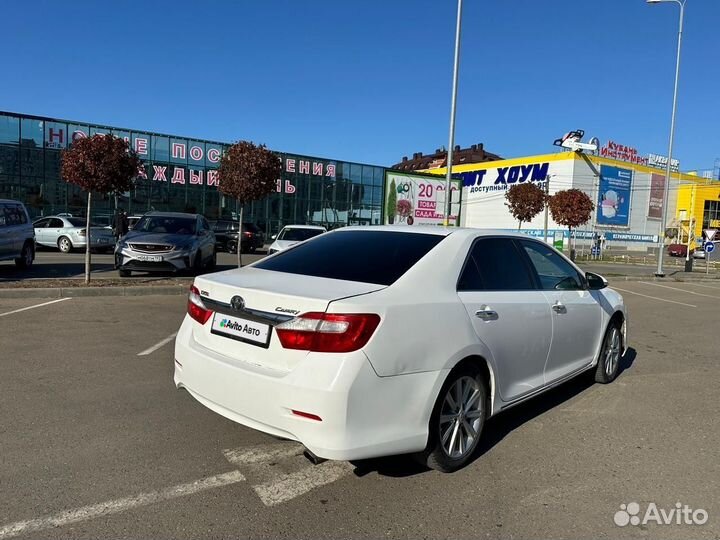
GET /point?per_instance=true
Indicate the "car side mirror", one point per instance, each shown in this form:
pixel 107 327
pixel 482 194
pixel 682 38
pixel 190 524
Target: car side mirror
pixel 595 281
pixel 273 237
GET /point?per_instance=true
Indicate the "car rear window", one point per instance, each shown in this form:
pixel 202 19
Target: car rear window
pixel 366 256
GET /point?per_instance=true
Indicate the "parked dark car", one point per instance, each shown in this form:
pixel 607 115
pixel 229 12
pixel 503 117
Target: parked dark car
pixel 226 236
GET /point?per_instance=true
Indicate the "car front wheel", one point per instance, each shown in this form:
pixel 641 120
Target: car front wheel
pixel 608 365
pixel 457 420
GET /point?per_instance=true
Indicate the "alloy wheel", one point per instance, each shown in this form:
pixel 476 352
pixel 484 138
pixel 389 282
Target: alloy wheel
pixel 461 417
pixel 612 351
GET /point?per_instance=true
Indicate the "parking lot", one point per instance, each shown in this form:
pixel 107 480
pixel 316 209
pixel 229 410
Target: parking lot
pixel 50 264
pixel 96 441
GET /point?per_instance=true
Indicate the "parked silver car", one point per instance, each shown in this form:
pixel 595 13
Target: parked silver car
pixel 68 233
pixel 167 242
pixel 17 238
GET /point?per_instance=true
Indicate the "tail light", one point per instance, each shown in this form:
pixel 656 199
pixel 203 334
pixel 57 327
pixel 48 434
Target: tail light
pixel 247 233
pixel 328 332
pixel 195 307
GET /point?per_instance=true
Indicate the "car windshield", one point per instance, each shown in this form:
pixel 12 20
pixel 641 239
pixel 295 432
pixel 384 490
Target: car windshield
pixel 366 256
pixel 165 224
pixel 80 222
pixel 298 234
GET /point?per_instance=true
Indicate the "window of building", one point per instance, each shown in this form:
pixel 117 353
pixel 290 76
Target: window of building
pixel 160 149
pixel 9 129
pixel 31 132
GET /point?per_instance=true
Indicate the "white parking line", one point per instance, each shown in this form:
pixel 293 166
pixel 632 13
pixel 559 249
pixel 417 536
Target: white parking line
pixel 701 285
pixel 155 347
pixel 678 289
pixel 298 483
pixel 35 306
pixel 118 505
pixel 653 297
pixel 277 487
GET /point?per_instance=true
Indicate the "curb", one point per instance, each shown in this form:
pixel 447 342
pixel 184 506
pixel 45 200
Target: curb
pixel 72 292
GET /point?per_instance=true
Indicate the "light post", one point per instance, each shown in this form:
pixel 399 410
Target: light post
pixel 666 191
pixel 451 143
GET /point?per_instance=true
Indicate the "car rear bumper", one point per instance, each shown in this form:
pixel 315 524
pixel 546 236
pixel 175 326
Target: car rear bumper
pixel 362 415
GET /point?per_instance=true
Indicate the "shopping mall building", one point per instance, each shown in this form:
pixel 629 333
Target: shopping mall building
pixel 180 174
pixel 626 187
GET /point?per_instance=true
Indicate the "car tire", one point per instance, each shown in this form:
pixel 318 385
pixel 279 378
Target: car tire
pixel 608 365
pixel 232 246
pixel 197 266
pixel 27 255
pixel 454 431
pixel 124 273
pixel 252 249
pixel 212 263
pixel 64 244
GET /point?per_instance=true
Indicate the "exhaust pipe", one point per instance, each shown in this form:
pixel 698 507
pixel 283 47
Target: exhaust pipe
pixel 312 458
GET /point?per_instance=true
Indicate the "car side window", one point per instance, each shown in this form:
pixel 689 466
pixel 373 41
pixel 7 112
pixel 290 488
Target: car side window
pixel 495 264
pixel 55 223
pixel 554 272
pixel 205 225
pixel 41 223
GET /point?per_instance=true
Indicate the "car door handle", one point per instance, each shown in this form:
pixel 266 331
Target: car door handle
pixel 486 314
pixel 559 307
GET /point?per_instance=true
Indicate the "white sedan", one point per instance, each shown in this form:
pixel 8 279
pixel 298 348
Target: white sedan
pixel 293 234
pixel 372 341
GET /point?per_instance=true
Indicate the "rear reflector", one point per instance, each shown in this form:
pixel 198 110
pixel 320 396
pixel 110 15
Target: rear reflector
pixel 195 307
pixel 328 332
pixel 308 415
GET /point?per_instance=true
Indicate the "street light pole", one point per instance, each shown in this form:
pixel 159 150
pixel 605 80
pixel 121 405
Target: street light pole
pixel 666 191
pixel 453 103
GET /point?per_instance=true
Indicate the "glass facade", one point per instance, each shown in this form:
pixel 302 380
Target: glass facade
pixel 180 174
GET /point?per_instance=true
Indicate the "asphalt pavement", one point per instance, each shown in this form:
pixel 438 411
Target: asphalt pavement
pixel 95 441
pixel 51 264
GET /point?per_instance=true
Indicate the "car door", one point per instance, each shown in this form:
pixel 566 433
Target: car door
pixel 54 231
pixel 510 315
pixel 40 227
pixel 577 316
pixel 5 234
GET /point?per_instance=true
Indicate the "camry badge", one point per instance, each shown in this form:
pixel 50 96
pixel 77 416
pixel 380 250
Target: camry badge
pixel 237 303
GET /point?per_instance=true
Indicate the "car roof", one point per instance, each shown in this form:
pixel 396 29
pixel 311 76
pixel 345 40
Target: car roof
pixel 313 227
pixel 170 214
pixel 434 229
pixel 14 201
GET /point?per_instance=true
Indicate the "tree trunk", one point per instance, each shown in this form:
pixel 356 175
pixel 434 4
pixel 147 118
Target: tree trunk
pixel 239 242
pixel 571 244
pixel 519 225
pixel 87 240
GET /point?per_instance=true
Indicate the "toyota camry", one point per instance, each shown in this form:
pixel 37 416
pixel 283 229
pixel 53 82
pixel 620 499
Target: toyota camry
pixel 373 341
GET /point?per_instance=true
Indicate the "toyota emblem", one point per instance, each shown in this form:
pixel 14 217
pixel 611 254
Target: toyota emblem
pixel 237 303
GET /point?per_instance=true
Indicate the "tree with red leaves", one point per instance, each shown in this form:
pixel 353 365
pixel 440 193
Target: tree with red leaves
pixel 247 173
pixel 525 201
pixel 571 208
pixel 101 164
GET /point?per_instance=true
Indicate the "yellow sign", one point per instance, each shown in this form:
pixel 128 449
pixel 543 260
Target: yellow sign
pixel 714 223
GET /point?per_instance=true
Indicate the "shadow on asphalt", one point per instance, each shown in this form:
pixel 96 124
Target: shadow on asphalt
pixel 497 427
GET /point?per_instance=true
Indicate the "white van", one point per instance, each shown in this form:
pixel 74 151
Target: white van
pixel 17 236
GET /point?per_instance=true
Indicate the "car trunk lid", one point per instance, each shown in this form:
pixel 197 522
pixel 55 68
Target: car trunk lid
pixel 250 302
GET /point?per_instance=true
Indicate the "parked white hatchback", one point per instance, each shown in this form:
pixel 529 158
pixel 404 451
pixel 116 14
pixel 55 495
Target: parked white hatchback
pixel 371 341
